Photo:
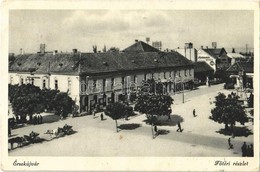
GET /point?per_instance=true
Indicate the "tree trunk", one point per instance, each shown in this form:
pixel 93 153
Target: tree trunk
pixel 152 130
pixel 226 127
pixel 116 126
pixel 232 129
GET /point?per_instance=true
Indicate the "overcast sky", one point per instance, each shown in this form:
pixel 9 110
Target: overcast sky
pixel 64 30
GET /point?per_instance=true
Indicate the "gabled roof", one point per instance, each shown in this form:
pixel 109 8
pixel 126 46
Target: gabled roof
pixel 202 67
pixel 97 63
pixel 140 46
pixel 215 52
pixel 235 55
pixel 247 67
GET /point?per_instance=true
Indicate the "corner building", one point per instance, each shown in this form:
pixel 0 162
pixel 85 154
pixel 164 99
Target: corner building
pixel 97 79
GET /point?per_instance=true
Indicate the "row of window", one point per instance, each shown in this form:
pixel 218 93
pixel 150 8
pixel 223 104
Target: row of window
pixel 134 79
pixel 31 81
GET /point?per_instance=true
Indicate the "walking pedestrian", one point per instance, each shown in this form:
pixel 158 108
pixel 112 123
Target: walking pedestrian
pixel 230 144
pixel 194 113
pixel 101 116
pixel 243 148
pixel 155 130
pixel 179 127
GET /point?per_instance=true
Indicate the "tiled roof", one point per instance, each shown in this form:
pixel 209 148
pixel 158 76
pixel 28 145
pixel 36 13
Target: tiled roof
pixel 140 46
pixel 96 63
pixel 202 67
pixel 215 52
pixel 247 67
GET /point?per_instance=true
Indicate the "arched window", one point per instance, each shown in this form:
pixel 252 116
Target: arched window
pixel 56 86
pixel 44 83
pixel 22 81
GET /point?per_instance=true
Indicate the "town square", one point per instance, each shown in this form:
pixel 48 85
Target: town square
pixel 132 83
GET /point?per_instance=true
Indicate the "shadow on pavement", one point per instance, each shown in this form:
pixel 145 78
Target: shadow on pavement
pixel 163 132
pixel 50 118
pixel 129 126
pixel 164 121
pixel 238 132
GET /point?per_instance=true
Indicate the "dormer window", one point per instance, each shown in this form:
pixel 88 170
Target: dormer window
pixel 133 61
pixel 155 60
pixel 60 65
pixel 19 64
pixel 38 63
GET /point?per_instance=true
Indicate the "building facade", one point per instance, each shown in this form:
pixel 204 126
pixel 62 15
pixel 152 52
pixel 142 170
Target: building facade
pixel 215 57
pixel 95 79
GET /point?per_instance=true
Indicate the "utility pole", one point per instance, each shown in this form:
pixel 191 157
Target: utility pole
pixel 182 92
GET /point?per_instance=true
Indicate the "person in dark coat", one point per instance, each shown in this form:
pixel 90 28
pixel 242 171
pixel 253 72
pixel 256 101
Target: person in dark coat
pixel 34 120
pixel 243 148
pixel 102 116
pixel 155 130
pixel 194 113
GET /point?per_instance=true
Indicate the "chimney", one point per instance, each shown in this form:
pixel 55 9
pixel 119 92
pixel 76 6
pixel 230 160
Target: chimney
pixel 202 47
pixel 207 47
pixel 42 48
pixel 136 40
pixel 214 45
pixel 74 51
pixel 21 51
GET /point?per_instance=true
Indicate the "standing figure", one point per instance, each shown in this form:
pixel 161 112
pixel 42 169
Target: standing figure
pixel 243 148
pixel 155 130
pixel 102 116
pixel 194 113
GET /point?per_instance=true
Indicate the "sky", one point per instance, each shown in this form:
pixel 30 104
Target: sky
pixel 64 30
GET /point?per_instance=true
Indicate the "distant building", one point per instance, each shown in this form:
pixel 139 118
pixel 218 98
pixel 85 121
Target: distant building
pixel 188 51
pixel 202 72
pixel 95 79
pixel 242 74
pixel 236 57
pixel 215 57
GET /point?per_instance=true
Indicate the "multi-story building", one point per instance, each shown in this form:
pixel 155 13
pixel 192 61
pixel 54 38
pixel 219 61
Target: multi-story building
pixel 96 79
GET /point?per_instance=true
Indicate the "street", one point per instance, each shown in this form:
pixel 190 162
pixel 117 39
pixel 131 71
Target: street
pixel 99 138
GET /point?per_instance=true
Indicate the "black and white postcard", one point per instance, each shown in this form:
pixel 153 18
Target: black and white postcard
pixel 130 86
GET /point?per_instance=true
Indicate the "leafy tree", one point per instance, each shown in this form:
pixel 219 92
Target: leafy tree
pixel 27 100
pixel 12 89
pixel 117 111
pixel 228 110
pixel 49 97
pixel 63 104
